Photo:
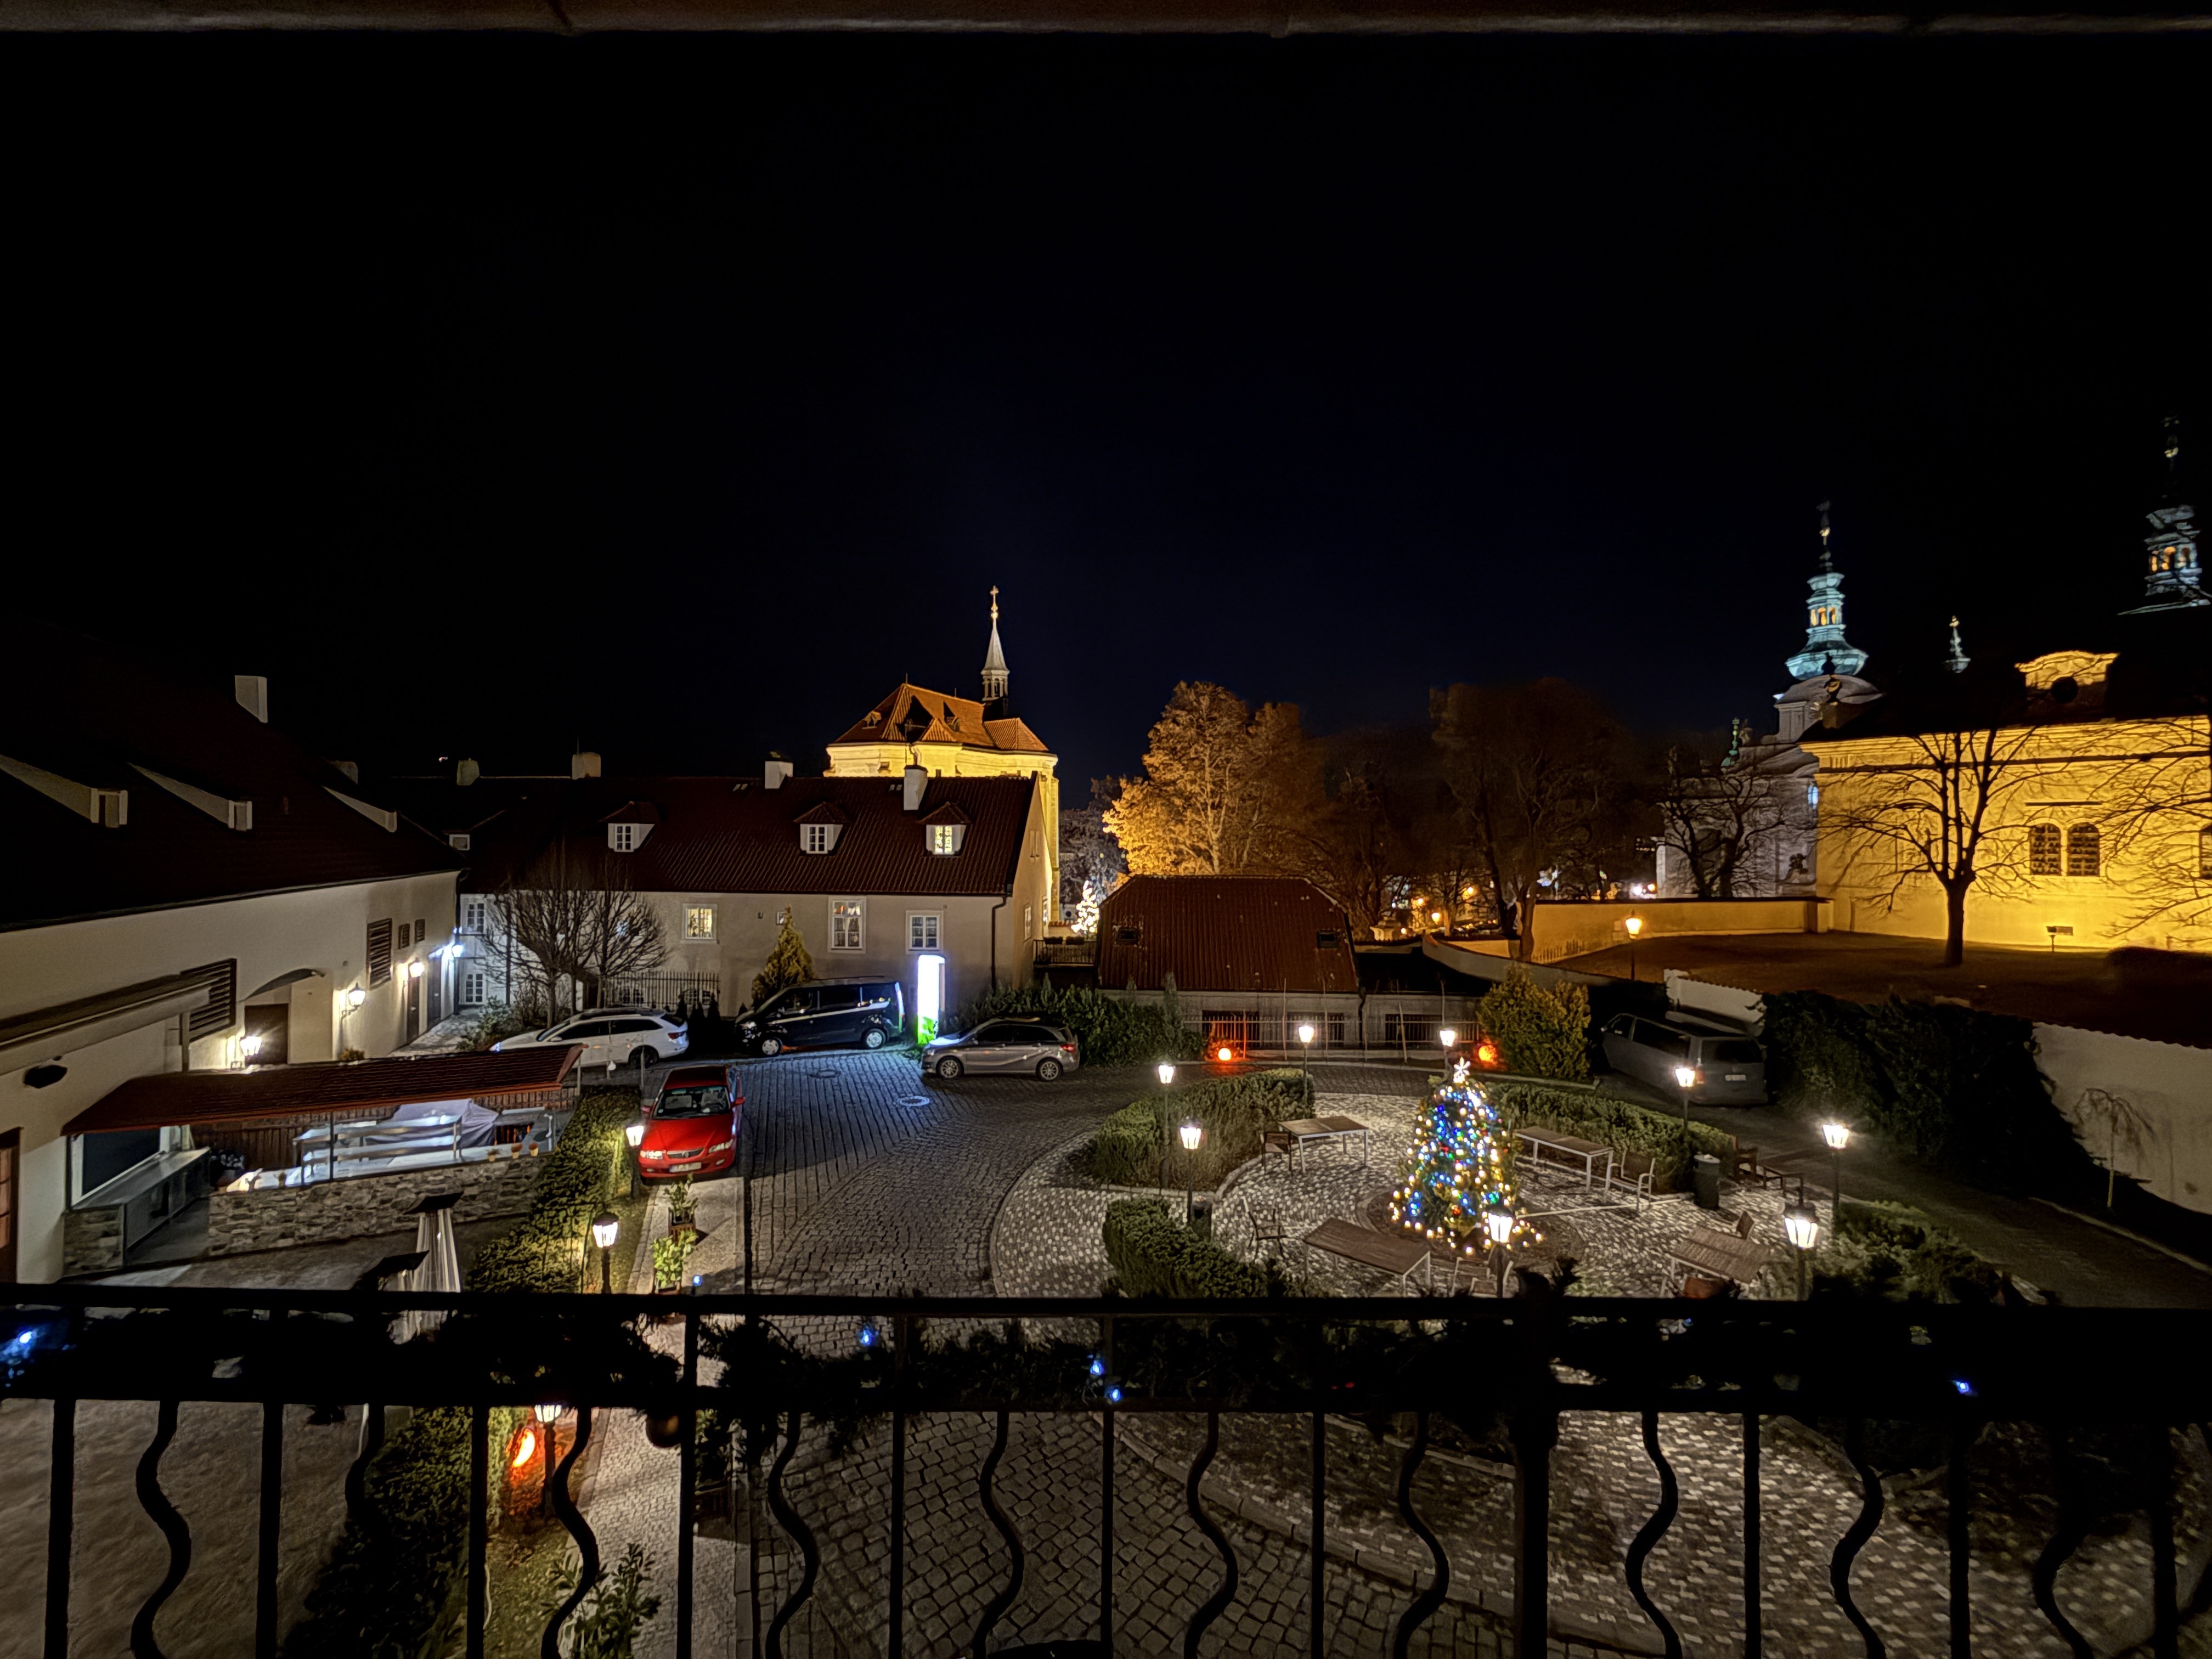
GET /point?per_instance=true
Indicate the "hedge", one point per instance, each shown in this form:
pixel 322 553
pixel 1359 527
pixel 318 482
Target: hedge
pixel 1235 1111
pixel 545 1250
pixel 389 1592
pixel 1154 1253
pixel 1542 1031
pixel 1113 1031
pixel 1620 1124
pixel 1955 1089
pixel 1891 1252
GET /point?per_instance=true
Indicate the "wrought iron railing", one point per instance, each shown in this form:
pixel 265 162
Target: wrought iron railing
pixel 1520 1365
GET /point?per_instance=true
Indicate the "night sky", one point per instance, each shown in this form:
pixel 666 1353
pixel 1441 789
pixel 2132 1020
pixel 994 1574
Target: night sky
pixel 678 397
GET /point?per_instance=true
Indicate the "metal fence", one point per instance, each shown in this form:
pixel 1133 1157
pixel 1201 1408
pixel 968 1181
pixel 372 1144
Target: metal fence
pixel 1389 1026
pixel 1523 1364
pixel 688 993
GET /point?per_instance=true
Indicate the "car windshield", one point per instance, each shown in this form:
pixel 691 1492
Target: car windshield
pixel 701 1100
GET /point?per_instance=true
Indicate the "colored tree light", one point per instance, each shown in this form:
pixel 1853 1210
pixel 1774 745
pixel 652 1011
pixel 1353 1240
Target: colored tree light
pixel 1458 1174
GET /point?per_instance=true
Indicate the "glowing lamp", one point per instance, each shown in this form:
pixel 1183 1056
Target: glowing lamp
pixel 1305 1034
pixel 1467 892
pixel 527 1448
pixel 1167 1073
pixel 1225 1053
pixel 356 996
pixel 1635 926
pixel 414 970
pixel 250 1044
pixel 1499 1222
pixel 1192 1133
pixel 1837 1135
pixel 1685 1077
pixel 634 1133
pixel 1447 1037
pixel 605 1226
pixel 1802 1226
pixel 548 1410
pixel 1487 1054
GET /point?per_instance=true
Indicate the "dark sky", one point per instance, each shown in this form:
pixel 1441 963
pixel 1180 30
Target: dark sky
pixel 681 395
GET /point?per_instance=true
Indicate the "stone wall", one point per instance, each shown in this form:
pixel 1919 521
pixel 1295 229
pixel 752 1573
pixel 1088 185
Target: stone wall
pixel 362 1206
pixel 92 1241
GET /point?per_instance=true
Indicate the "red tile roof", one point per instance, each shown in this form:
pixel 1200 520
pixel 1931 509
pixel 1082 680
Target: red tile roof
pixel 368 1087
pixel 1223 933
pixel 914 714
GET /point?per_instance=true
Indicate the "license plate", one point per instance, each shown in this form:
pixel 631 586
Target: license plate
pixel 679 1169
pixel 1736 1077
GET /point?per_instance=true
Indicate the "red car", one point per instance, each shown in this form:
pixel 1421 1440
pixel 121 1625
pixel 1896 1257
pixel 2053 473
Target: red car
pixel 692 1126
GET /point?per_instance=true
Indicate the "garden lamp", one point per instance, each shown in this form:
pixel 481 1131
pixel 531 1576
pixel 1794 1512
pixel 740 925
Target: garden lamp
pixel 1447 1037
pixel 1635 926
pixel 1499 1223
pixel 1306 1037
pixel 634 1133
pixel 605 1226
pixel 1167 1074
pixel 1803 1228
pixel 548 1411
pixel 1192 1133
pixel 1838 1134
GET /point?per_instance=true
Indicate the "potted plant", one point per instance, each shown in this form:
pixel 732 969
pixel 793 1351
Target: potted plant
pixel 669 1257
pixel 682 1208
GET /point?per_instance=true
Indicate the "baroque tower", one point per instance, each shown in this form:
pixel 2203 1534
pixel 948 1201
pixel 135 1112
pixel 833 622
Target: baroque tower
pixel 2175 579
pixel 1827 651
pixel 995 660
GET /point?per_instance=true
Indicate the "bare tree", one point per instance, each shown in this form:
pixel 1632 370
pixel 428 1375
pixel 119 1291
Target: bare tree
pixel 1718 813
pixel 2162 822
pixel 571 928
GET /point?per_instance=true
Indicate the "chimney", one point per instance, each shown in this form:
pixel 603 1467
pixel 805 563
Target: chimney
pixel 252 691
pixel 773 774
pixel 352 769
pixel 917 779
pixel 467 773
pixel 584 764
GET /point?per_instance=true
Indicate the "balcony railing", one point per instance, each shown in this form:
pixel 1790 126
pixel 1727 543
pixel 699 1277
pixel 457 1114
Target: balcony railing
pixel 1520 1365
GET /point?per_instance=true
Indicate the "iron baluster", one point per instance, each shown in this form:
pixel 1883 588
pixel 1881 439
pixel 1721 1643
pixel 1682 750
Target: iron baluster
pixel 1751 1633
pixel 1854 1538
pixel 1957 1479
pixel 1004 1598
pixel 479 1526
pixel 164 1515
pixel 1318 1537
pixel 687 1484
pixel 356 1480
pixel 272 1529
pixel 61 1522
pixel 587 1544
pixel 1427 1603
pixel 2073 1527
pixel 1535 1432
pixel 1225 1592
pixel 1647 1539
pixel 788 1518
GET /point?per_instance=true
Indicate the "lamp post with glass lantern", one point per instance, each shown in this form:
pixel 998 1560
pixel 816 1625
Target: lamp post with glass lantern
pixel 1635 926
pixel 605 1226
pixel 354 997
pixel 1499 1225
pixel 1192 1133
pixel 1803 1227
pixel 1166 1069
pixel 1305 1038
pixel 1838 1134
pixel 634 1133
pixel 1448 1039
pixel 1685 1079
pixel 548 1412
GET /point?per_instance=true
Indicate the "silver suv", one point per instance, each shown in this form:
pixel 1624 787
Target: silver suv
pixel 1004 1045
pixel 1727 1068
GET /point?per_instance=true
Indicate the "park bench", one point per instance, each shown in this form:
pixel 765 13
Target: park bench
pixel 1717 1255
pixel 1567 1147
pixel 1299 1131
pixel 1396 1257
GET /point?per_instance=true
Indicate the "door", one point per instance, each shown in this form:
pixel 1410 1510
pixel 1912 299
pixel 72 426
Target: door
pixel 626 1036
pixel 997 1047
pixel 414 1009
pixel 11 1142
pixel 592 1034
pixel 838 1020
pixel 272 1024
pixel 794 1016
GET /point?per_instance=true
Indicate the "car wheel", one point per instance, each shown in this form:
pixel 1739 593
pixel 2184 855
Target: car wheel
pixel 644 1057
pixel 948 1068
pixel 874 1038
pixel 1048 1069
pixel 771 1046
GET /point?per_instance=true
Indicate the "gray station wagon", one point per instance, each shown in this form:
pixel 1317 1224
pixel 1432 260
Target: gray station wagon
pixel 1729 1069
pixel 997 1045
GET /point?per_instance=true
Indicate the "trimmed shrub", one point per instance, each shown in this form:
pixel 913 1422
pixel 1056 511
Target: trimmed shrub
pixel 544 1251
pixel 1154 1253
pixel 1891 1252
pixel 1540 1030
pixel 1236 1112
pixel 1620 1124
pixel 1112 1032
pixel 1955 1089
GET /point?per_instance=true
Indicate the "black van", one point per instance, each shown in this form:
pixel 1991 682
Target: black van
pixel 825 1013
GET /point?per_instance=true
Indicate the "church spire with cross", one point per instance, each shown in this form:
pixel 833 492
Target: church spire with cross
pixel 2175 579
pixel 1827 651
pixel 995 660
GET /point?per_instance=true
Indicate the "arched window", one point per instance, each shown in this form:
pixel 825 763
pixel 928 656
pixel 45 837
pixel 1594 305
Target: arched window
pixel 2043 859
pixel 2084 850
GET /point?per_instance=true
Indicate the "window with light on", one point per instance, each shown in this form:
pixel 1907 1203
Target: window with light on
pixel 845 925
pixel 698 922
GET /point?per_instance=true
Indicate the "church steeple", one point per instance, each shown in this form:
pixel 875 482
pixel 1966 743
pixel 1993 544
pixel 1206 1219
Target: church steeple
pixel 995 660
pixel 1827 651
pixel 2174 579
pixel 1958 660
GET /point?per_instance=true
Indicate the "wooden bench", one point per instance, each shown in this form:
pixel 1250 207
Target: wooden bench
pixel 1396 1257
pixel 1722 1255
pixel 1299 1131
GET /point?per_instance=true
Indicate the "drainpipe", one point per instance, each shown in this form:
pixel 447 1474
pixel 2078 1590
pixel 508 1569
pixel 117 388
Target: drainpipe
pixel 995 908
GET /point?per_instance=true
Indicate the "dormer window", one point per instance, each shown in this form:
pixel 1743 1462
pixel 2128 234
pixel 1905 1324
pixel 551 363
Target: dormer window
pixel 816 837
pixel 945 838
pixel 626 837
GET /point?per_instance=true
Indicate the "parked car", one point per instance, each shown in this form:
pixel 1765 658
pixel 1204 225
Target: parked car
pixel 1727 1067
pixel 825 1013
pixel 610 1036
pixel 1004 1045
pixel 693 1123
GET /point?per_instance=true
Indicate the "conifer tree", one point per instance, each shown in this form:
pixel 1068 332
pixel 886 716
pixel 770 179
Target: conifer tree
pixel 788 963
pixel 1459 1168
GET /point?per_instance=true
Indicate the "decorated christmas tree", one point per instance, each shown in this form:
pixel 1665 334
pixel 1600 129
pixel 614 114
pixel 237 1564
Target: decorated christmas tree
pixel 1459 1170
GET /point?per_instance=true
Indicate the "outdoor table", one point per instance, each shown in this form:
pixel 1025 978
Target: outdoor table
pixel 1397 1257
pixel 1722 1255
pixel 1300 1130
pixel 1569 1147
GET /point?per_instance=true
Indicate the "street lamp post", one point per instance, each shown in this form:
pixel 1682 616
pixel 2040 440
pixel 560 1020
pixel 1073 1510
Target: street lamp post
pixel 1803 1225
pixel 1192 1132
pixel 1838 1134
pixel 634 1133
pixel 1685 1079
pixel 1166 1069
pixel 1305 1038
pixel 1448 1039
pixel 605 1226
pixel 1635 926
pixel 548 1413
pixel 1499 1225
